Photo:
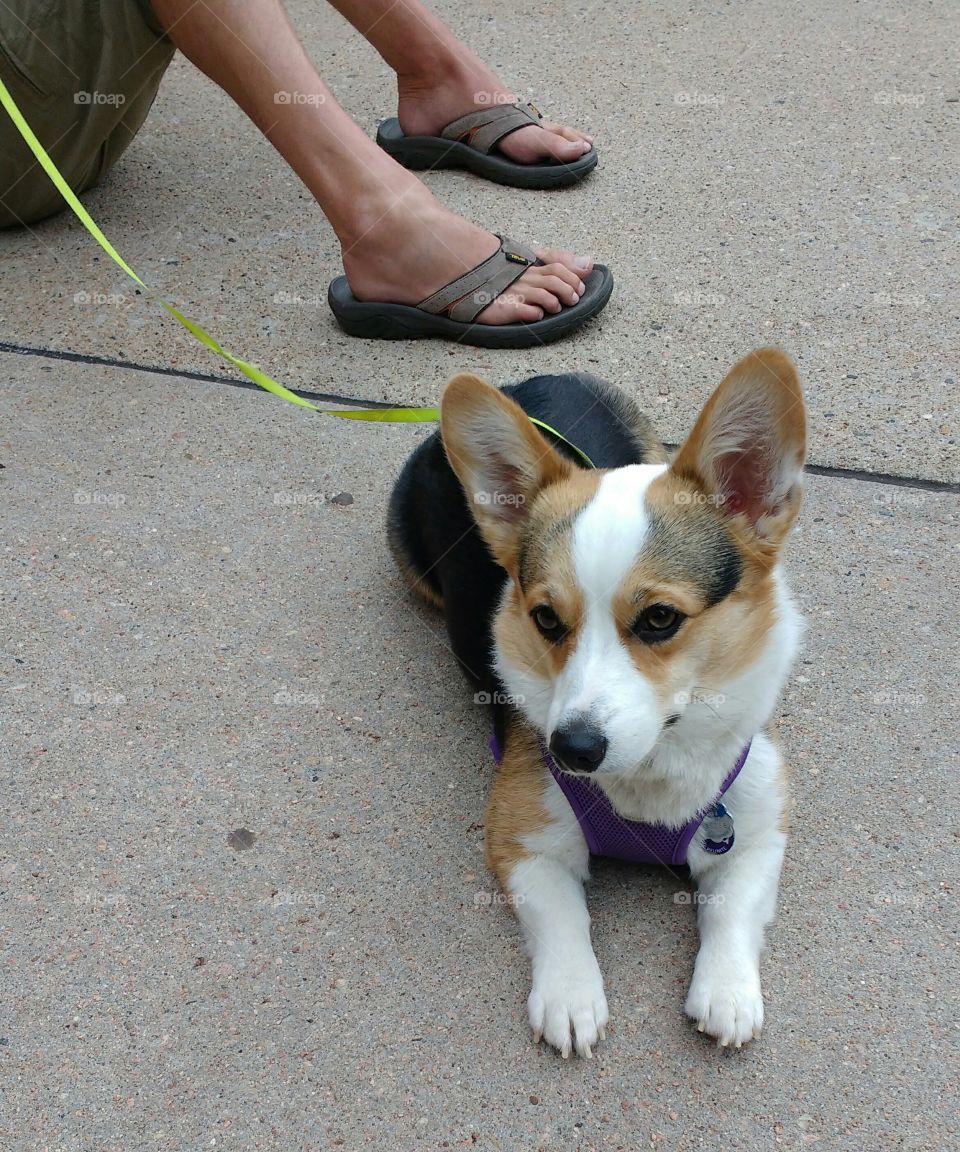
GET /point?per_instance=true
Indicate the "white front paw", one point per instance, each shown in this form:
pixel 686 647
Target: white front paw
pixel 568 999
pixel 726 1002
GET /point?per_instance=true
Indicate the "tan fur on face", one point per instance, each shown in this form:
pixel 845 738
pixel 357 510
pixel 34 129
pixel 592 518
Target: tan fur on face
pixel 720 638
pixel 714 645
pixel 543 574
pixel 543 551
pixel 732 635
pixel 522 644
pixel 700 561
pixel 719 517
pixel 690 572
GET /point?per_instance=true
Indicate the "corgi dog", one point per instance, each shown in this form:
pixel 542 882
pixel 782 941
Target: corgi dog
pixel 633 629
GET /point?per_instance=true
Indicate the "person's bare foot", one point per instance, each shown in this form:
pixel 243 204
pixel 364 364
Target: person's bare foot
pixel 409 246
pixel 428 103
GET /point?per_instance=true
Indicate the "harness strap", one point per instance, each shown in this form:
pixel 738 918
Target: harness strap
pixel 607 833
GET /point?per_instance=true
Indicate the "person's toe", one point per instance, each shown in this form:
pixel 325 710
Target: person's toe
pixel 539 143
pixel 511 308
pixel 565 149
pixel 543 298
pixel 566 131
pixel 544 289
pixel 561 282
pixel 580 266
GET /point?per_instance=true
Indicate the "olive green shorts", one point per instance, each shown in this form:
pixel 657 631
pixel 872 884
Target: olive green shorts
pixel 84 74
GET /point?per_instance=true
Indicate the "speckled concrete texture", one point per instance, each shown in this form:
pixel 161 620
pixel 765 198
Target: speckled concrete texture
pixel 770 173
pixel 243 903
pixel 244 900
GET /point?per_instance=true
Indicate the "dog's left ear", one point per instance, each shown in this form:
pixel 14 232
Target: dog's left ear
pixel 747 449
pixel 502 461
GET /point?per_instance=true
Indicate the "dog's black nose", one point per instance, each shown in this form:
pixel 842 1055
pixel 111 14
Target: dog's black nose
pixel 580 747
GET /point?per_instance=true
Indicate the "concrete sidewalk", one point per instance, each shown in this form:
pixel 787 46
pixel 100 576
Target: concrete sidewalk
pixel 244 904
pixel 769 173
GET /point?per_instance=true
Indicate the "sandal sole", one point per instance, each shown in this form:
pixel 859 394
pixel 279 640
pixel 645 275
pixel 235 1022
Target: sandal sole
pixel 433 152
pixel 382 321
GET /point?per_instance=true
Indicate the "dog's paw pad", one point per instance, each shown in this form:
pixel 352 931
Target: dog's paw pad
pixel 730 1010
pixel 568 1009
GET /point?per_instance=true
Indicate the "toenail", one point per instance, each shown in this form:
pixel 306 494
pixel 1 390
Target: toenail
pixel 582 262
pixel 581 287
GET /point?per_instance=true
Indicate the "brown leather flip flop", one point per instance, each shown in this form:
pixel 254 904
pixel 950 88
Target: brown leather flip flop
pixel 451 312
pixel 470 142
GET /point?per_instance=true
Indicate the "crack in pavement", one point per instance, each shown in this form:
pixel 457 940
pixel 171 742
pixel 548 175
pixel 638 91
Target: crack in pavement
pixel 856 474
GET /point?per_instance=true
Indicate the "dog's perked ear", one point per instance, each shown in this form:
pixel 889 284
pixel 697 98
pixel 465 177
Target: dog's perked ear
pixel 501 460
pixel 747 449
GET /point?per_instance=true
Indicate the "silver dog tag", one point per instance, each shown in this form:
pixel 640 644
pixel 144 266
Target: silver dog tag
pixel 717 828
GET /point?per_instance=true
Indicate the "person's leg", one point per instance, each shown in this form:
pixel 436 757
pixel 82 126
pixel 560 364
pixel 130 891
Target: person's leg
pixel 84 76
pixel 439 79
pixel 399 244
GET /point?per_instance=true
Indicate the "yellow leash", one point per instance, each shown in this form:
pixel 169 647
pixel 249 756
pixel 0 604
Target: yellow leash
pixel 251 371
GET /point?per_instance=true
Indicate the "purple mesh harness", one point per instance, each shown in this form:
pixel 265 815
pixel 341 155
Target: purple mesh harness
pixel 609 834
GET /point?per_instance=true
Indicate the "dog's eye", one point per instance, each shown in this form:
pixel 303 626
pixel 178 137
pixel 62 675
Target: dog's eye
pixel 657 622
pixel 548 622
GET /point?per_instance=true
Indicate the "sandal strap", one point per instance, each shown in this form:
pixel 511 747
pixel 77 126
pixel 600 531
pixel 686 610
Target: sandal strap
pixel 482 129
pixel 466 297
